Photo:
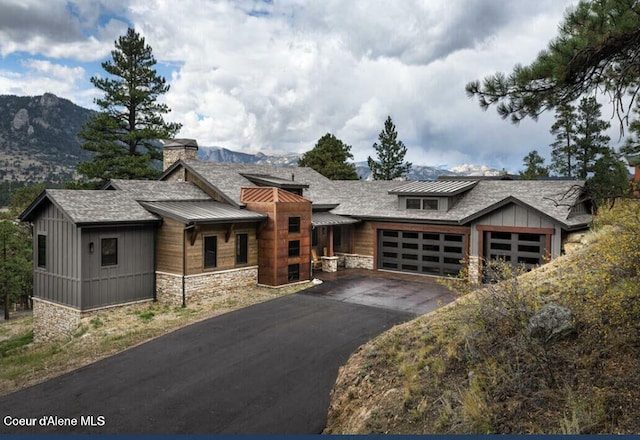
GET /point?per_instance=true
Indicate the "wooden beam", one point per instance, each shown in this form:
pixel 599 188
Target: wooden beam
pixel 330 241
pixel 229 232
pixel 194 234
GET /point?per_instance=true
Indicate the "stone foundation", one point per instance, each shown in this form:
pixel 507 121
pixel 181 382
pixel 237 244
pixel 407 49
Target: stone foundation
pixel 169 286
pixel 356 261
pixel 53 321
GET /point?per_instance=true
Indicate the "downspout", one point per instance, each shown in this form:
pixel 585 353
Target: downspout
pixel 184 262
pixel 155 263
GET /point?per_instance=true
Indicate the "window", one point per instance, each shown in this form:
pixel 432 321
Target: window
pixel 210 251
pixel 413 203
pixel 42 250
pixel 430 204
pixel 242 248
pixel 109 251
pixel 294 225
pixel 293 272
pixel 294 248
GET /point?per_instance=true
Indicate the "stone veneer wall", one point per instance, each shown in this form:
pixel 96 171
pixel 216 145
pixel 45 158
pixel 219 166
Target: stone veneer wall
pixel 474 269
pixel 53 321
pixel 169 286
pixel 357 261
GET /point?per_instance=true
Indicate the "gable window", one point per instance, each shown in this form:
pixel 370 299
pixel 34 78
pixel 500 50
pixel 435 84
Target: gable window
pixel 210 251
pixel 42 250
pixel 294 225
pixel 294 248
pixel 293 272
pixel 109 251
pixel 242 248
pixel 413 203
pixel 430 204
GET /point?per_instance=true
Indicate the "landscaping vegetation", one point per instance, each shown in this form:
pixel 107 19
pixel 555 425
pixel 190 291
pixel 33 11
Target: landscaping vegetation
pixel 480 366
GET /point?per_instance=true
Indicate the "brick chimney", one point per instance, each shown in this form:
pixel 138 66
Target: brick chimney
pixel 177 149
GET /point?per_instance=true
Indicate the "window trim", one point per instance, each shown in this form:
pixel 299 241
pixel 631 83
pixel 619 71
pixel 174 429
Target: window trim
pixel 295 272
pixel 296 249
pixel 239 250
pixel 204 252
pixel 41 262
pixel 295 228
pixel 102 254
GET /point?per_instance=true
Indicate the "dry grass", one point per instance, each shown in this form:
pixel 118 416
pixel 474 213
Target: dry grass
pixel 471 367
pixel 108 332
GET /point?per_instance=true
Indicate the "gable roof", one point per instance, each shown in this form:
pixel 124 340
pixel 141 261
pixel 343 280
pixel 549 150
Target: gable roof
pixel 227 179
pixel 552 199
pixel 90 207
pixel 154 190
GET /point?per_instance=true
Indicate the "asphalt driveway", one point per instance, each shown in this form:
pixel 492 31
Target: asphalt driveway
pixel 265 369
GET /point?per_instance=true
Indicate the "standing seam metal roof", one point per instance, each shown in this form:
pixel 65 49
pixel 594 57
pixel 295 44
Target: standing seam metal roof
pixel 202 211
pixel 435 187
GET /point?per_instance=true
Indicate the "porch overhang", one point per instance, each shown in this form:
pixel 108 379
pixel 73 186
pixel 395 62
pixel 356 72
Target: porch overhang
pixel 329 219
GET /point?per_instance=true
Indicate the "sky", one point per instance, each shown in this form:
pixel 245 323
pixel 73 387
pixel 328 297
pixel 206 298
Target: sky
pixel 275 76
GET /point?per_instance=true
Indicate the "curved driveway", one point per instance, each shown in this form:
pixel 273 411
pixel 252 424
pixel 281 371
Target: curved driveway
pixel 264 369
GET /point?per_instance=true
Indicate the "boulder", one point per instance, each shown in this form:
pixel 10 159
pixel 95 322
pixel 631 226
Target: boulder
pixel 551 323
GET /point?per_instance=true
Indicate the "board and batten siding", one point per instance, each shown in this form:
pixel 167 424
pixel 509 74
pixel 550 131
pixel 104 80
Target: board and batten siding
pixel 59 281
pixel 131 279
pixel 513 215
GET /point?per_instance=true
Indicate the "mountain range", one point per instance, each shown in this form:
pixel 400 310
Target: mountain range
pixel 39 143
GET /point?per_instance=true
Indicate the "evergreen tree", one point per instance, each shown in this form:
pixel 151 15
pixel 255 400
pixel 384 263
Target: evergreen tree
pixel 632 143
pixel 329 158
pixel 563 151
pixel 15 263
pixel 597 49
pixel 534 167
pixel 610 179
pixel 591 143
pixel 390 155
pixel 124 134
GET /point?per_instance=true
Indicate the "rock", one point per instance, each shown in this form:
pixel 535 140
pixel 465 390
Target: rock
pixel 20 119
pixel 551 323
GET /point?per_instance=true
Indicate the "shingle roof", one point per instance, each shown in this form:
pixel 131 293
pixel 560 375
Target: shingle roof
pixel 202 211
pixel 434 188
pixel 154 190
pixel 85 207
pixel 228 179
pixel 554 199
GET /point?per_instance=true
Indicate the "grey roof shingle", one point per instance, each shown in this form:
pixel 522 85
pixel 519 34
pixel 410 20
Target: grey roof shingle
pixel 85 207
pixel 554 199
pixel 154 190
pixel 202 211
pixel 228 179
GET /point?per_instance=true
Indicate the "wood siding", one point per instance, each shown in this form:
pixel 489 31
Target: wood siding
pixel 131 279
pixel 169 247
pixel 515 216
pixel 226 251
pixel 59 281
pixel 274 237
pixel 363 239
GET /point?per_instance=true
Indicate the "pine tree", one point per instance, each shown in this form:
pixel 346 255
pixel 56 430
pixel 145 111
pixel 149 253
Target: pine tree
pixel 591 143
pixel 563 151
pixel 15 263
pixel 124 134
pixel 597 49
pixel 534 167
pixel 610 179
pixel 329 158
pixel 390 155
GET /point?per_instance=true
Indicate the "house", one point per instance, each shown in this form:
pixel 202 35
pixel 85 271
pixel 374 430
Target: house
pixel 203 228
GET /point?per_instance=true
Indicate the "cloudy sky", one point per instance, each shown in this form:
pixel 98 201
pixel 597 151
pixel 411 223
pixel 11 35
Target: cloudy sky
pixel 277 75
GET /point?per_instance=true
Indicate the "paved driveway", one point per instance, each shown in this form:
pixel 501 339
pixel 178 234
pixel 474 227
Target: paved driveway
pixel 265 369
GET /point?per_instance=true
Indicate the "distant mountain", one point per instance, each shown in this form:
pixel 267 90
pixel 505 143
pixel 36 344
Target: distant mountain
pixel 38 138
pixel 418 172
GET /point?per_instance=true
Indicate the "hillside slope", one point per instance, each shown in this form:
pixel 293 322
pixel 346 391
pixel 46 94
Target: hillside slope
pixel 476 366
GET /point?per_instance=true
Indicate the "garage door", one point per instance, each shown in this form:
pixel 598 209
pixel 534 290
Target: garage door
pixel 428 253
pixel 520 249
